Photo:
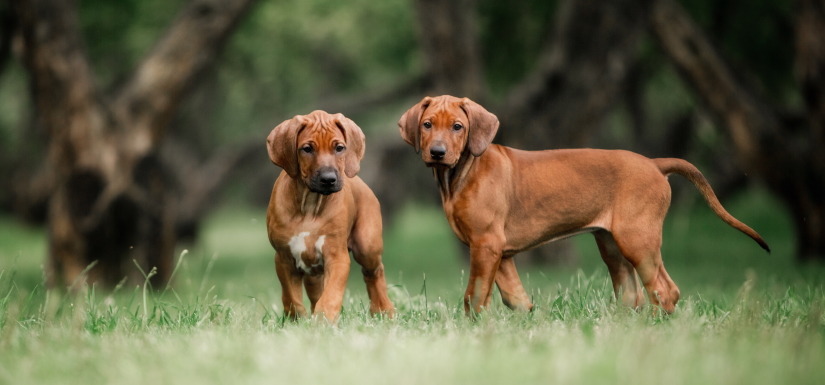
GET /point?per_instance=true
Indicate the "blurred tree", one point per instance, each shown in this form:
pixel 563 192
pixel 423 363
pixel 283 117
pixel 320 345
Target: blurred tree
pixel 110 197
pixel 449 38
pixel 786 149
pixel 578 77
pixel 557 73
pixel 8 25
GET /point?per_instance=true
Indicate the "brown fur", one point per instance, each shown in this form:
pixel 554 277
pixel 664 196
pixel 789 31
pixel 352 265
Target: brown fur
pixel 349 219
pixel 500 201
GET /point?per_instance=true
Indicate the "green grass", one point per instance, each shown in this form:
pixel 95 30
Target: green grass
pixel 746 316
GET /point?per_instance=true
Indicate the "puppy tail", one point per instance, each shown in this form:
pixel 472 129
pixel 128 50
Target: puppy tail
pixel 689 171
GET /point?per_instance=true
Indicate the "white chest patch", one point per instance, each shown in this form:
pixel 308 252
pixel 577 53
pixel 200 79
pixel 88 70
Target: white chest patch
pixel 297 245
pixel 319 245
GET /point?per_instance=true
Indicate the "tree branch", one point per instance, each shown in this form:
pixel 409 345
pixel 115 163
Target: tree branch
pixel 785 152
pixel 192 43
pixel 364 102
pixel 751 122
pixel 200 181
pixel 578 77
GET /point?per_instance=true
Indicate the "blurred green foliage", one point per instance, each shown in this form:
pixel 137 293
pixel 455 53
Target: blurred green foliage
pixel 118 33
pixel 285 56
pixel 512 36
pixel 288 55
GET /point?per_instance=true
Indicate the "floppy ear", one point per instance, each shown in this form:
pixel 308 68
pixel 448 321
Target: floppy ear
pixel 483 126
pixel 409 123
pixel 282 142
pixel 356 144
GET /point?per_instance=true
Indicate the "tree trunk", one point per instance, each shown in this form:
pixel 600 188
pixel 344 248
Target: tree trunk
pixel 111 201
pixel 8 26
pixel 785 151
pixel 810 73
pixel 449 40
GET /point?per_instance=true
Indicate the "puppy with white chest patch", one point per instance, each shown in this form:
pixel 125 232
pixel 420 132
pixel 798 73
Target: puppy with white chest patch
pixel 319 211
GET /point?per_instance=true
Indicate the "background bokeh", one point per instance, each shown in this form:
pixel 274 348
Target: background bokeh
pixel 569 73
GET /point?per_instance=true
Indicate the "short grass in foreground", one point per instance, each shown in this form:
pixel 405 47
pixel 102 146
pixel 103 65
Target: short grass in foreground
pixel 575 336
pixel 745 317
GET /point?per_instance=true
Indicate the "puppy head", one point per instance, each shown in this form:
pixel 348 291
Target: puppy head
pixel 444 126
pixel 318 149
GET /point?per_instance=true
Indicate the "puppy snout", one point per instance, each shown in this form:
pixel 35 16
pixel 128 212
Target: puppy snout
pixel 328 177
pixel 326 180
pixel 437 152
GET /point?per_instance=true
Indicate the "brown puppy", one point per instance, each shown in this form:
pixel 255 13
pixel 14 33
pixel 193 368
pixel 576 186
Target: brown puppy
pixel 319 211
pixel 500 201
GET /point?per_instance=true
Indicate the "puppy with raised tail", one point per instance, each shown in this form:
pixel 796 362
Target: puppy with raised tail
pixel 500 201
pixel 319 211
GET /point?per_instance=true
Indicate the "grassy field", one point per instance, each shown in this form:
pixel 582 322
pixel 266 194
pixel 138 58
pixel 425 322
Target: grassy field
pixel 746 316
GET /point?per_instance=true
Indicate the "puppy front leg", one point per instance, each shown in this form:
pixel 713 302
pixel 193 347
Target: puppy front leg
pixel 485 259
pixel 509 283
pixel 336 272
pixel 315 287
pixel 290 279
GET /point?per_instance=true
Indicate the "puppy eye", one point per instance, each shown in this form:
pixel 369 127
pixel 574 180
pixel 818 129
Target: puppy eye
pixel 457 127
pixel 307 149
pixel 428 125
pixel 340 148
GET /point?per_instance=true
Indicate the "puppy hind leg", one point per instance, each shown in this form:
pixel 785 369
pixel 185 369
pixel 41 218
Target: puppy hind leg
pixel 658 290
pixel 646 257
pixel 626 285
pixel 675 294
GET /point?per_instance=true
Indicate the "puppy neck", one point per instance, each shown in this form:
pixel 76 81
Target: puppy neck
pixel 451 180
pixel 309 203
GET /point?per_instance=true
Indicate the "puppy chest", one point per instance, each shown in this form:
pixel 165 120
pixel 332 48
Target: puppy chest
pixel 307 250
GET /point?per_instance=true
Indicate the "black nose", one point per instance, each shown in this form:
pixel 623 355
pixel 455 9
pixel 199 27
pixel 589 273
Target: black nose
pixel 328 178
pixel 438 152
